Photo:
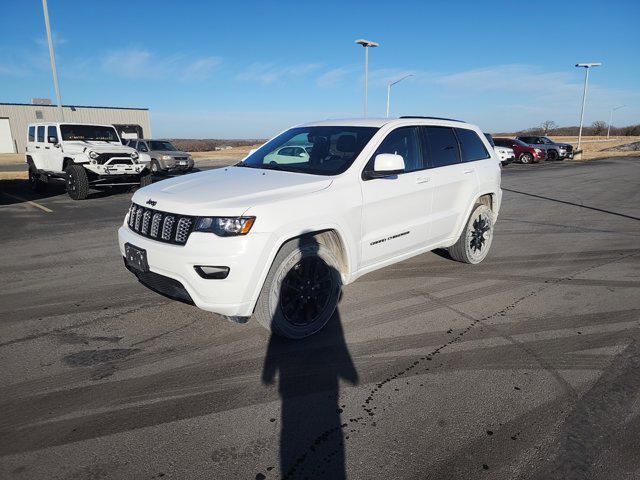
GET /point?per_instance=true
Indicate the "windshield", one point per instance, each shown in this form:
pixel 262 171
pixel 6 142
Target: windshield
pixel 89 133
pixel 315 150
pixel 162 145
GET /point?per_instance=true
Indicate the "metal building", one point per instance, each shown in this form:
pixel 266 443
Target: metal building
pixel 14 118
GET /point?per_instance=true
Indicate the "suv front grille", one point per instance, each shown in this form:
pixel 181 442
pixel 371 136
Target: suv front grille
pixel 162 226
pixel 105 157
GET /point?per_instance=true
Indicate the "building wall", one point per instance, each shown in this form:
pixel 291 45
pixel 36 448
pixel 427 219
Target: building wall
pixel 20 116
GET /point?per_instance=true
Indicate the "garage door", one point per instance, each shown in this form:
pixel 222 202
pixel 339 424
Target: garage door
pixel 6 141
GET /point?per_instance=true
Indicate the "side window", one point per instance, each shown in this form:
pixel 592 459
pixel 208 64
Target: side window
pixel 142 146
pixel 41 133
pixel 51 132
pixel 32 133
pixel 471 146
pixel 402 141
pixel 442 147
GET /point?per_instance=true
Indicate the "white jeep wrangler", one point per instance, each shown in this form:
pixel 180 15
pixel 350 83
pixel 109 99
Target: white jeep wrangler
pixel 276 239
pixel 84 156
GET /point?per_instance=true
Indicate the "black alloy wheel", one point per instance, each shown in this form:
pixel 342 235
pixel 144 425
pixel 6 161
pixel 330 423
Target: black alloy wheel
pixel 480 227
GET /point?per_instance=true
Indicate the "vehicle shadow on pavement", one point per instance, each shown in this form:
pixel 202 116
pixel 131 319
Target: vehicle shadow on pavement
pixel 308 375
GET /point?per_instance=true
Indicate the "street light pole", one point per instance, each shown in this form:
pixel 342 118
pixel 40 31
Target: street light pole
pixel 52 55
pixel 586 66
pixel 389 85
pixel 366 44
pixel 611 118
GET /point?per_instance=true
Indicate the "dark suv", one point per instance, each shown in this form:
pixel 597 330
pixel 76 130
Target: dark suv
pixel 555 150
pixel 524 153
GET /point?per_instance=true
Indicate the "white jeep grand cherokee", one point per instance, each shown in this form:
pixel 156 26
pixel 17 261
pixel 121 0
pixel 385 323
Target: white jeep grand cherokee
pixel 277 240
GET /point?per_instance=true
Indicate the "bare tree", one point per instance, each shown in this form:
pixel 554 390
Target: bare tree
pixel 547 125
pixel 599 127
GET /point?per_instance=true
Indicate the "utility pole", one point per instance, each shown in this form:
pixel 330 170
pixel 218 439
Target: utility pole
pixel 52 55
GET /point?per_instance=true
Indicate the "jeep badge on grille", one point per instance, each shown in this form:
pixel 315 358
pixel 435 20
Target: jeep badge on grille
pixel 151 202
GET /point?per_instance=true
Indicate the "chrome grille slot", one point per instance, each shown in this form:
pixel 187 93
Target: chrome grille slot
pixel 161 226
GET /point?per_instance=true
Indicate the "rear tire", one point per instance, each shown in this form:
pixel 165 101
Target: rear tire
pixel 77 182
pixel 475 241
pixel 35 181
pixel 301 290
pixel 526 158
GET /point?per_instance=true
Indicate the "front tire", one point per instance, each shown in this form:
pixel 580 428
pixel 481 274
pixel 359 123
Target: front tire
pixel 301 290
pixel 526 158
pixel 552 155
pixel 146 179
pixel 155 167
pixel 77 182
pixel 35 181
pixel 475 241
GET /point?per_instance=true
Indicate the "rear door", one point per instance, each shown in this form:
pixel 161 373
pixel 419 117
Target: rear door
pixel 454 181
pixel 395 209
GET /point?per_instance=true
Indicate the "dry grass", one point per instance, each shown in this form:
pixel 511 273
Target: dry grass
pixel 11 158
pixel 592 146
pixel 13 175
pixel 235 152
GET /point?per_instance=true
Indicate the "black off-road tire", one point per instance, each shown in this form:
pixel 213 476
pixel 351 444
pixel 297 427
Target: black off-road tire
pixel 552 155
pixel 77 182
pixel 526 158
pixel 269 310
pixel 35 180
pixel 475 241
pixel 146 179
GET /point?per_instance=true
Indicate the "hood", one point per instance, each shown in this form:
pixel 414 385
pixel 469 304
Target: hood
pixel 227 191
pixel 96 146
pixel 171 153
pixel 560 144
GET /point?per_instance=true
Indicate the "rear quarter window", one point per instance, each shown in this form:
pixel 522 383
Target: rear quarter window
pixel 471 147
pixel 441 147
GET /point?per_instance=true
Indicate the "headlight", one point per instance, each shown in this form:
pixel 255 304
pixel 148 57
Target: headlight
pixel 166 157
pixel 225 226
pixel 134 155
pixel 537 150
pixel 93 155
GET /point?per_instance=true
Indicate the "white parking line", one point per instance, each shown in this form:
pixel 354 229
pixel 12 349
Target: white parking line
pixel 29 202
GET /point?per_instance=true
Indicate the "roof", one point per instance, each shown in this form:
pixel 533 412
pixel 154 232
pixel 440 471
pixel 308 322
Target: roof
pixel 379 122
pixel 71 106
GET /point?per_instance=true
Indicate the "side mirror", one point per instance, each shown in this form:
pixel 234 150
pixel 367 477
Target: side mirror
pixel 52 139
pixel 386 165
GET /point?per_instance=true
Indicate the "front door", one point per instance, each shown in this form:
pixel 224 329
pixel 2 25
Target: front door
pixel 395 209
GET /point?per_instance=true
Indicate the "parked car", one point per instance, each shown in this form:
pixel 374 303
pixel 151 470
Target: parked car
pixel 163 156
pixel 277 240
pixel 290 154
pixel 505 155
pixel 555 150
pixel 523 152
pixel 83 155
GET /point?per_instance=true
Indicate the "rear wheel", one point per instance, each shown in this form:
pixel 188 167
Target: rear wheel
pixel 526 158
pixel 77 182
pixel 35 180
pixel 475 240
pixel 552 155
pixel 301 291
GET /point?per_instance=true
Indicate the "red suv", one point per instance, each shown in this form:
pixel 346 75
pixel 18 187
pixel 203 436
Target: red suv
pixel 524 153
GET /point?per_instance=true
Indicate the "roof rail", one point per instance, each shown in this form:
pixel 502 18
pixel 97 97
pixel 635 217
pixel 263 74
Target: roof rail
pixel 433 118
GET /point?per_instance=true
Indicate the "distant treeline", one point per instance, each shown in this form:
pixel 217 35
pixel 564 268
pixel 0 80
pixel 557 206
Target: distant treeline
pixel 207 145
pixel 598 128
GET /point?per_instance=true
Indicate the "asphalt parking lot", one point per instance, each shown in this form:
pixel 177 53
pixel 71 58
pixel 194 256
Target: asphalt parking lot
pixel 526 366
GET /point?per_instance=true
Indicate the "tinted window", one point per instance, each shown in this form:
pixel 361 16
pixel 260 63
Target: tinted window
pixel 41 134
pixel 442 147
pixel 287 152
pixel 405 142
pixel 471 146
pixel 32 134
pixel 51 132
pixel 529 139
pixel 89 133
pixel 490 139
pixel 162 145
pixel 333 149
pixel 502 143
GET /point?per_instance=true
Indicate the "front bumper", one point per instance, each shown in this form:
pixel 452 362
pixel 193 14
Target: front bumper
pixel 233 296
pixel 173 166
pixel 115 169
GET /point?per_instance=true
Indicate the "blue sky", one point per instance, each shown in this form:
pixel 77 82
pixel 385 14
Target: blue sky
pixel 249 69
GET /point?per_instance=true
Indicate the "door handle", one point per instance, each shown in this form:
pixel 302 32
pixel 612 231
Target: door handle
pixel 37 146
pixel 422 179
pixel 468 171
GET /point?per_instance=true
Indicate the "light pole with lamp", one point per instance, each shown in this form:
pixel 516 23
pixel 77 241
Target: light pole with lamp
pixel 366 44
pixel 586 67
pixel 389 85
pixel 52 55
pixel 611 119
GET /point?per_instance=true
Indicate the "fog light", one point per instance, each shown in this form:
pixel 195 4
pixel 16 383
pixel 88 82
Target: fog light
pixel 210 272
